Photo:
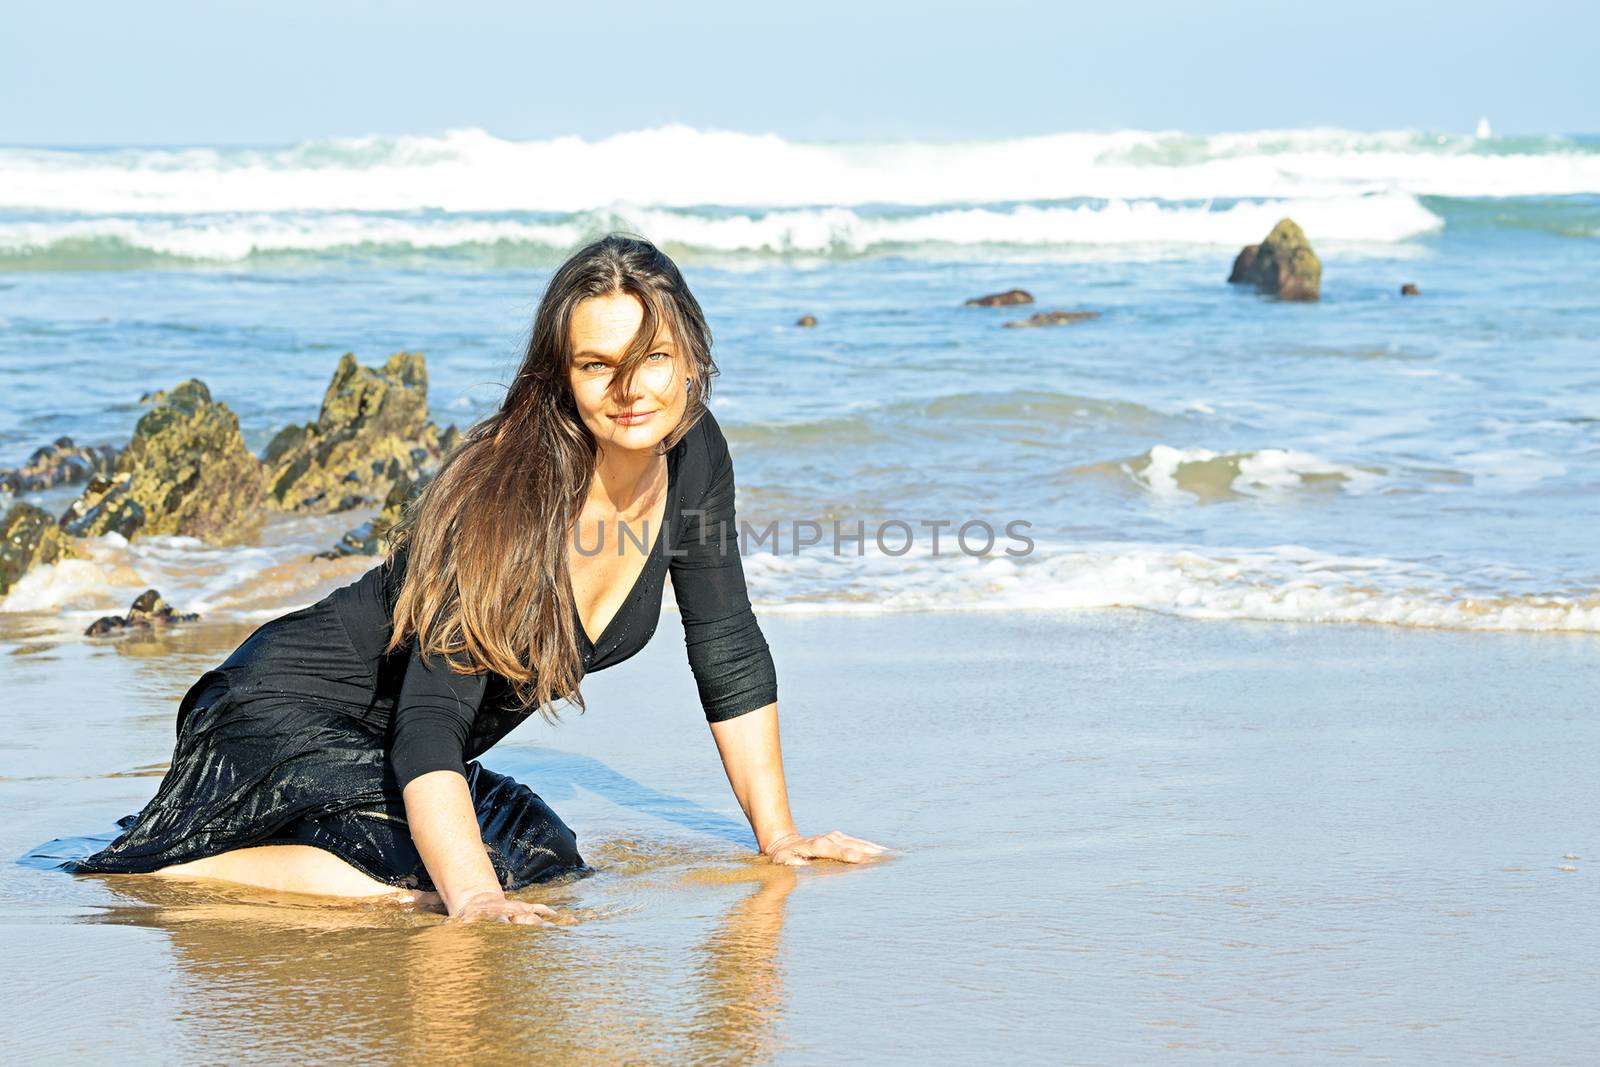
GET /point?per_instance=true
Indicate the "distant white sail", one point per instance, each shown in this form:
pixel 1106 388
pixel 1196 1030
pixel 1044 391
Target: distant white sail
pixel 1483 129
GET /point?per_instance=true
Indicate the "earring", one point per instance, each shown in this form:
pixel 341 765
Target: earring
pixel 688 384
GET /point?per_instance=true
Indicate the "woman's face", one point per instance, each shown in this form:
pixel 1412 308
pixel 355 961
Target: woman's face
pixel 602 327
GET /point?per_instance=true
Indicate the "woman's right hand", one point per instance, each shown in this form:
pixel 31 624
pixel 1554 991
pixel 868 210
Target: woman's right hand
pixel 445 828
pixel 494 906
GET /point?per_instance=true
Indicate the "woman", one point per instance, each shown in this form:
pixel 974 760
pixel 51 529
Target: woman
pixel 334 751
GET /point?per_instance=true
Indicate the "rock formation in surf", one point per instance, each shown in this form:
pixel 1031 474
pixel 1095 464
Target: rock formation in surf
pixel 1283 265
pixel 186 471
pixel 30 537
pixel 372 433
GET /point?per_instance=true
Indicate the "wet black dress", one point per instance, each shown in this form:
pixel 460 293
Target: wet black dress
pixel 308 732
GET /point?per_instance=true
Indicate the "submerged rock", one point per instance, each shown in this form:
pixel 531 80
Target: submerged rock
pixel 1054 318
pixel 1282 265
pixel 1009 298
pixel 186 471
pixel 1410 289
pixel 372 432
pixel 148 612
pixel 59 463
pixel 30 537
pixel 807 320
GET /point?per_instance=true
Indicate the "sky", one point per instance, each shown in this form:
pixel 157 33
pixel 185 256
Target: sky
pixel 173 72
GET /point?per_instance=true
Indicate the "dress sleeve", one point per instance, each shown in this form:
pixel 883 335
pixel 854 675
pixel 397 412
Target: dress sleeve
pixel 433 718
pixel 434 712
pixel 728 654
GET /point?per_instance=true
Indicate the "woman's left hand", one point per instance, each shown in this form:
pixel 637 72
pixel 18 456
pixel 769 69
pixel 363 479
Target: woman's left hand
pixel 798 850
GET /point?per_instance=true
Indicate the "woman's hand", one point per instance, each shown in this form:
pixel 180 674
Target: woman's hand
pixel 798 850
pixel 494 906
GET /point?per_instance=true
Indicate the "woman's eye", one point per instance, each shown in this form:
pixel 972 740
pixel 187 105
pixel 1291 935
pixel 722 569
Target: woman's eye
pixel 653 356
pixel 590 368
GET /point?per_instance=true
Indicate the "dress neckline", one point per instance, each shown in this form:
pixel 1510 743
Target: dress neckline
pixel 667 515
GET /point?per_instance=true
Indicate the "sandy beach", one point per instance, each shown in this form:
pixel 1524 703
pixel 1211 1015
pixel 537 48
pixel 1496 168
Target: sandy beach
pixel 1125 836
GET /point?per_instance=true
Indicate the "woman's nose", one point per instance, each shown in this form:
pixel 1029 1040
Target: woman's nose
pixel 625 392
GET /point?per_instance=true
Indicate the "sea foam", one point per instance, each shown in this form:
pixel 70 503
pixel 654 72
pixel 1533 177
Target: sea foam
pixel 467 192
pixel 471 170
pixel 1201 474
pixel 821 231
pixel 1282 583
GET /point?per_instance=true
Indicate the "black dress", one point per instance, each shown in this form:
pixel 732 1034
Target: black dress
pixel 308 732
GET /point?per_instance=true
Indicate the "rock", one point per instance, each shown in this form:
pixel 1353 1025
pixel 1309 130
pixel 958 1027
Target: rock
pixel 1054 318
pixel 1244 266
pixel 807 320
pixel 1009 298
pixel 1282 265
pixel 59 463
pixel 372 432
pixel 105 506
pixel 371 538
pixel 148 612
pixel 30 537
pixel 186 471
pixel 1410 289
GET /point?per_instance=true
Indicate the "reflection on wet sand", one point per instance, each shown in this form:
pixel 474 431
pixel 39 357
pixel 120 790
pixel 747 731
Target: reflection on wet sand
pixel 740 977
pixel 263 972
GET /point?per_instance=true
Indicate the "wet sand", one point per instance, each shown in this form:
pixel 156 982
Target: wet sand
pixel 1127 838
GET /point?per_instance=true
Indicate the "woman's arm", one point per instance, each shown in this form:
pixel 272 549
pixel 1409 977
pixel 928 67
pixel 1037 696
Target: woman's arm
pixel 432 721
pixel 444 826
pixel 752 756
pixel 727 650
pixel 733 667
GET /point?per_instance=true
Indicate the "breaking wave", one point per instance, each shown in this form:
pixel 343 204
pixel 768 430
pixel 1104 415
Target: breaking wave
pixel 471 170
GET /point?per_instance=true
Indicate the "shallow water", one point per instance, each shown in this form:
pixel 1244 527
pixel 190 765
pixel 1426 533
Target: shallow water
pixel 1123 836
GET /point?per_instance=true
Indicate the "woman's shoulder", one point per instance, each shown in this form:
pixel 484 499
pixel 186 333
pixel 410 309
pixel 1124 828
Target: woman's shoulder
pixel 703 449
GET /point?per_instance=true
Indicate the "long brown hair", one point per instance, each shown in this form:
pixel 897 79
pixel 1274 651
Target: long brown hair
pixel 486 580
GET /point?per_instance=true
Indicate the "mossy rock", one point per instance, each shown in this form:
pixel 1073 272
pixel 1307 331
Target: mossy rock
pixel 186 471
pixel 31 538
pixel 1283 265
pixel 372 431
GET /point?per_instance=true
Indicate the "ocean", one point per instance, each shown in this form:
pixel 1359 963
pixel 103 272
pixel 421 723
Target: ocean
pixel 1427 461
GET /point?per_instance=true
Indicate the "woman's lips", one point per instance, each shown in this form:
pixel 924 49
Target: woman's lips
pixel 633 419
